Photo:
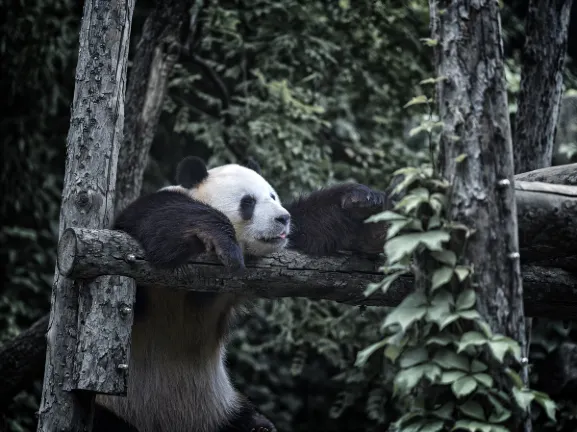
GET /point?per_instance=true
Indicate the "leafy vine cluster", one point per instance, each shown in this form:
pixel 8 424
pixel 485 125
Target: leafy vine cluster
pixel 454 372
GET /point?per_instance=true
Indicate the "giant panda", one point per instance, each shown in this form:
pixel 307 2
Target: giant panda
pixel 178 381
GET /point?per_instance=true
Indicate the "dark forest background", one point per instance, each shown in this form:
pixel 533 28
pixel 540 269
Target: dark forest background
pixel 314 90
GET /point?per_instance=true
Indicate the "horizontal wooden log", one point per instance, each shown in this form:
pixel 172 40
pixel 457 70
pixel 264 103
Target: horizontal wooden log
pixel 547 221
pixel 85 253
pixel 560 174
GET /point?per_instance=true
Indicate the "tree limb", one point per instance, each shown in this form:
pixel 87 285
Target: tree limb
pixel 86 253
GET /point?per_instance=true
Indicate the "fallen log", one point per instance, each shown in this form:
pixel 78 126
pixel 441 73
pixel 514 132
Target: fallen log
pixel 87 253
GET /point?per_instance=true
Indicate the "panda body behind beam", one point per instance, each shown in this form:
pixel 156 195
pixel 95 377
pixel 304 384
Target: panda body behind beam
pixel 177 376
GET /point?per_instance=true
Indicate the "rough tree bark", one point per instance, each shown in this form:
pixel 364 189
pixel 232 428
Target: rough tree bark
pixel 547 28
pixel 473 109
pixel 94 138
pixel 165 32
pixel 86 253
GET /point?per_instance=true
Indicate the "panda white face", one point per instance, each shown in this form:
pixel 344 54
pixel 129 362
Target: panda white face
pixel 262 224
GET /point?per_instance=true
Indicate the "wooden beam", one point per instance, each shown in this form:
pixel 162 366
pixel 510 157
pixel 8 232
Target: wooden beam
pixel 86 253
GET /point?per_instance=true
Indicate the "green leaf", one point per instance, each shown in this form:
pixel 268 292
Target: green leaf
pixel 445 412
pixel 517 381
pixel 448 320
pixel 406 244
pixel 364 355
pixel 417 100
pixel 523 398
pixel 413 357
pixel 385 284
pixel 474 426
pixel 404 316
pixel 407 379
pixel 432 426
pixel 548 405
pixel 449 377
pixel 485 379
pixel 386 216
pixel 472 338
pixel 441 277
pixel 478 366
pixel 393 351
pixel 448 359
pixel 464 386
pixel 462 272
pixel 500 345
pixel 468 314
pixel 396 227
pixel 500 413
pixel 466 299
pixel 442 340
pixel 473 409
pixel 446 257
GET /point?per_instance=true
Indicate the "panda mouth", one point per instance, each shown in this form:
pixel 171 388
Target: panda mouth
pixel 276 239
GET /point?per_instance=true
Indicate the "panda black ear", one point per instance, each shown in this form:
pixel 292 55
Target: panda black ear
pixel 190 172
pixel 252 164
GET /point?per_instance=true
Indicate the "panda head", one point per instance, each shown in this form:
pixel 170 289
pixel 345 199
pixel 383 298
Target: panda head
pixel 261 223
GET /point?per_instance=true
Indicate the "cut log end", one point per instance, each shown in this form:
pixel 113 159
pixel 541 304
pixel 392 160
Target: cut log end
pixel 66 253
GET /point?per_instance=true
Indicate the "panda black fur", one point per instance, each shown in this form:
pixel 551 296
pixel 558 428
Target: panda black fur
pixel 178 380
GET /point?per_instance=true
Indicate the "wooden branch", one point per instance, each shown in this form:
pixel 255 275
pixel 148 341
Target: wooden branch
pixel 88 194
pixel 547 216
pixel 156 54
pixel 86 253
pixel 562 175
pixel 547 25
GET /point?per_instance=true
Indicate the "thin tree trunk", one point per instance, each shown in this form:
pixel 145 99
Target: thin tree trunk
pixel 473 108
pixel 88 195
pixel 166 31
pixel 547 28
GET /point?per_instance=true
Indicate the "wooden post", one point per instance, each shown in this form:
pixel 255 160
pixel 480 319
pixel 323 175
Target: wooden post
pixel 87 200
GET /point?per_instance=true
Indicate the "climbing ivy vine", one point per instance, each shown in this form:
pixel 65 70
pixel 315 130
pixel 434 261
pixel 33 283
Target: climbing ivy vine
pixel 454 372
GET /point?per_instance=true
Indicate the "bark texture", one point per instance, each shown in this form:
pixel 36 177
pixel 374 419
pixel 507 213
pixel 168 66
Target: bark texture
pixel 93 143
pixel 87 253
pixel 473 108
pixel 562 175
pixel 165 31
pixel 547 26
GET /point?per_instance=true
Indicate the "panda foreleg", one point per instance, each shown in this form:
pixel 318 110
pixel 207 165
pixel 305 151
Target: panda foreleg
pixel 332 219
pixel 172 228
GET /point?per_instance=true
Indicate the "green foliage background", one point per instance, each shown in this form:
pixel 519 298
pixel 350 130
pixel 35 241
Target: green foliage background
pixel 315 93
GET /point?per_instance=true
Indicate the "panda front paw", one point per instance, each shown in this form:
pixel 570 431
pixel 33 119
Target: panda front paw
pixel 226 249
pixel 362 200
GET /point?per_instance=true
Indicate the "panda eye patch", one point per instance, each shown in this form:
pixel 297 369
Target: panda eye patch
pixel 247 204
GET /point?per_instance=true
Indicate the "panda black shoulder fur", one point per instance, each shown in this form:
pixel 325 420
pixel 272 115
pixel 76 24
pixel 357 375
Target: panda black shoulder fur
pixel 178 381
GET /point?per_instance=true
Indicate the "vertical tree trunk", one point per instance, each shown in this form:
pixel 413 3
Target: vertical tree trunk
pixel 473 108
pixel 165 31
pixel 547 28
pixel 88 195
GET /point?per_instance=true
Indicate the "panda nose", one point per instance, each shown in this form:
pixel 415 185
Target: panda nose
pixel 284 219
